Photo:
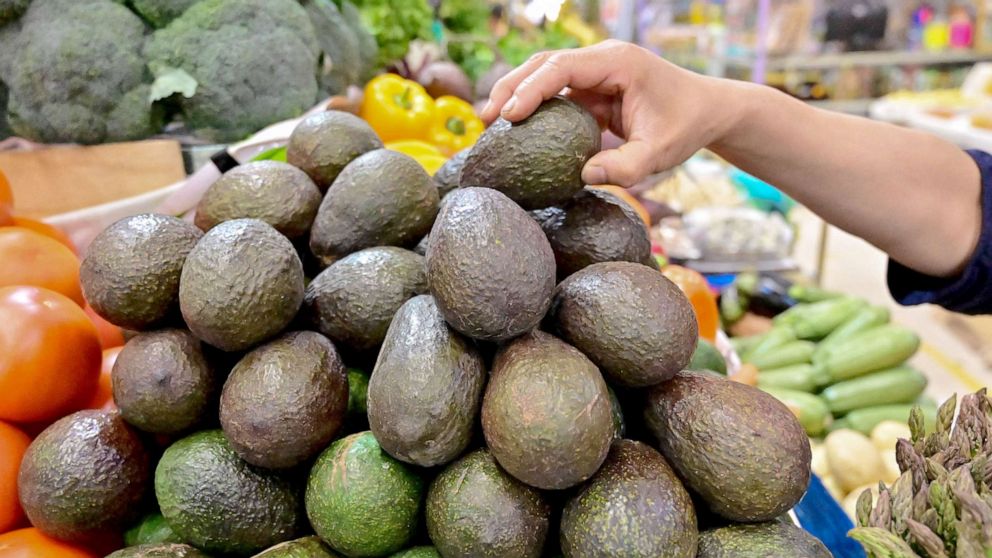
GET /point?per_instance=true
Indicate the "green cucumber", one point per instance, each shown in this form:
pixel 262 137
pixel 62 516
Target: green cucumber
pixel 876 349
pixel 775 338
pixel 863 320
pixel 813 415
pixel 809 293
pixel 886 387
pixel 823 318
pixel 800 377
pixel 743 345
pixel 865 420
pixel 796 352
pixel 813 310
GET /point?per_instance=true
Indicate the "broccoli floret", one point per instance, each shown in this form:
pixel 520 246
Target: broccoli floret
pixel 159 13
pixel 69 67
pixel 12 9
pixel 342 62
pixel 254 61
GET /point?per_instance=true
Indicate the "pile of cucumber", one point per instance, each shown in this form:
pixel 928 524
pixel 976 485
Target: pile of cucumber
pixel 838 363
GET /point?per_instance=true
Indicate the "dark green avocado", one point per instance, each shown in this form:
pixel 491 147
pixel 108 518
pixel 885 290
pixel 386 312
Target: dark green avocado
pixel 634 506
pixel 489 265
pixel 418 552
pixel 449 175
pixel 84 477
pixel 162 550
pixel 538 161
pixel 130 275
pixel 476 510
pixel 546 415
pixel 324 143
pixel 760 540
pixel 382 198
pixel 634 323
pixel 285 401
pixel 307 547
pixel 741 450
pixel 424 395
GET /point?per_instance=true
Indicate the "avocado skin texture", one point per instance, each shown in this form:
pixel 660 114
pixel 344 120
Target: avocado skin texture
pixel 738 448
pixel 354 300
pixel 538 161
pixel 547 415
pixel 635 506
pixel 382 198
pixel 596 226
pixel 217 502
pixel 165 550
pixel 707 357
pixel 424 394
pixel 489 265
pixel 630 320
pixel 307 547
pixel 84 477
pixel 152 529
pixel 130 275
pixel 271 191
pixel 324 143
pixel 760 540
pixel 162 383
pixel 616 408
pixel 285 400
pixel 449 176
pixel 241 284
pixel 476 510
pixel 418 552
pixel 361 501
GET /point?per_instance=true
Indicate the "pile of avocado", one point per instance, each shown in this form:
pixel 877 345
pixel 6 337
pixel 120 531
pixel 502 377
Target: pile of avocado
pixel 301 383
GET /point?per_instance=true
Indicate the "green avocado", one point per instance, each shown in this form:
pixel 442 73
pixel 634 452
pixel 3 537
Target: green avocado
pixel 538 161
pixel 596 226
pixel 382 198
pixel 760 540
pixel 424 395
pixel 476 510
pixel 84 477
pixel 546 415
pixel 162 550
pixel 361 501
pixel 353 301
pixel 270 191
pixel 217 502
pixel 356 420
pixel 241 284
pixel 449 175
pixel 737 447
pixel 130 275
pixel 707 357
pixel 634 323
pixel 418 552
pixel 307 547
pixel 634 506
pixel 285 401
pixel 162 383
pixel 324 143
pixel 489 265
pixel 152 529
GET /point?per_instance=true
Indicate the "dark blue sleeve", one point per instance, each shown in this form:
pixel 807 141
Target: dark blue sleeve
pixel 968 293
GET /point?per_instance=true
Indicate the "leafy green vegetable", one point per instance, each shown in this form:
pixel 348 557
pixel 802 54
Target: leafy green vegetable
pixel 394 23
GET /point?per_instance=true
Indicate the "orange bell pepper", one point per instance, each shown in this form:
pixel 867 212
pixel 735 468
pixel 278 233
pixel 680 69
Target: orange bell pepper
pixel 455 125
pixel 397 108
pixel 700 296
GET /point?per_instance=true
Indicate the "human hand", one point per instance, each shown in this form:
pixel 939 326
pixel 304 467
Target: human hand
pixel 664 113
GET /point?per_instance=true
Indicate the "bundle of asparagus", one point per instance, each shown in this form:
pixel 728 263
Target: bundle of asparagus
pixel 941 505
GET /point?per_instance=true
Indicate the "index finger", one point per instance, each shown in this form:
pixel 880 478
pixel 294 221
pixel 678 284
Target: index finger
pixel 505 86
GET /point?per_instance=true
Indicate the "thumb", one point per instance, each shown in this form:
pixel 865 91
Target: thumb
pixel 624 166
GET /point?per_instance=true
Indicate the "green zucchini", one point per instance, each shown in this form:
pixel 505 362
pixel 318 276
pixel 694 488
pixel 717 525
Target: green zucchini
pixel 744 345
pixel 809 293
pixel 865 420
pixel 876 349
pixel 796 352
pixel 886 387
pixel 813 415
pixel 800 377
pixel 810 311
pixel 824 317
pixel 775 338
pixel 864 320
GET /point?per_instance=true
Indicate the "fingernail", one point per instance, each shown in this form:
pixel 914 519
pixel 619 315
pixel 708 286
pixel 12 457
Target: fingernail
pixel 594 175
pixel 509 105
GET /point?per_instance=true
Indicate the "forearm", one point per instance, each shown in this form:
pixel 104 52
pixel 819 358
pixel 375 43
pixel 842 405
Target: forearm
pixel 913 195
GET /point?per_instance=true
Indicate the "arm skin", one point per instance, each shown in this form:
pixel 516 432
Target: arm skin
pixel 911 194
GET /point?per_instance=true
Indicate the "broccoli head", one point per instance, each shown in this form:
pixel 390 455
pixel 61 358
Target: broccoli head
pixel 12 9
pixel 159 13
pixel 254 62
pixel 68 68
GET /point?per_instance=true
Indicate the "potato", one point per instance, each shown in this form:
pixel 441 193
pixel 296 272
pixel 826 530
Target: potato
pixel 887 433
pixel 892 471
pixel 850 503
pixel 831 485
pixel 819 464
pixel 853 459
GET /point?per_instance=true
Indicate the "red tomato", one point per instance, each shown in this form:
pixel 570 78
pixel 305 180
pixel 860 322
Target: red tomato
pixel 103 399
pixel 13 443
pixel 110 335
pixel 45 229
pixel 30 258
pixel 32 543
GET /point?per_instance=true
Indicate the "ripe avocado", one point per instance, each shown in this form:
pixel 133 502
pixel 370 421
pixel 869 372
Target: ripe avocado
pixel 130 274
pixel 738 448
pixel 546 415
pixel 475 510
pixel 424 394
pixel 353 301
pixel 162 550
pixel 596 226
pixel 382 198
pixel 449 175
pixel 162 383
pixel 489 265
pixel 361 501
pixel 84 476
pixel 630 320
pixel 707 357
pixel 418 552
pixel 538 161
pixel 152 529
pixel 216 501
pixel 307 547
pixel 759 540
pixel 634 506
pixel 285 400
pixel 241 284
pixel 270 191
pixel 324 143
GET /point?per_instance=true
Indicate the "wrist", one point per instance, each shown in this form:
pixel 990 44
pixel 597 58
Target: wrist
pixel 739 106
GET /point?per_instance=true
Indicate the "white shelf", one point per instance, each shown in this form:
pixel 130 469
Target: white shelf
pixel 862 59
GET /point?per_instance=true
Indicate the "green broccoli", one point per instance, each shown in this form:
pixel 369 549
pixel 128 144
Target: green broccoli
pixel 159 13
pixel 342 61
pixel 254 63
pixel 12 9
pixel 5 130
pixel 69 66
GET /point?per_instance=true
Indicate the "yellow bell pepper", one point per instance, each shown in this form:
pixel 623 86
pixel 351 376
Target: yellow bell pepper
pixel 428 155
pixel 397 108
pixel 455 125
